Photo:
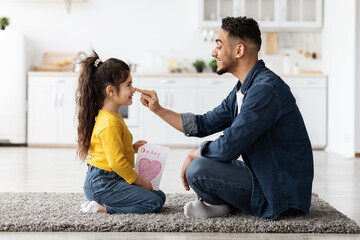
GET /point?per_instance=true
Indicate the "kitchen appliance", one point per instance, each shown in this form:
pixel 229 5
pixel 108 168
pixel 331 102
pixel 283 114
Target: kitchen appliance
pixel 12 88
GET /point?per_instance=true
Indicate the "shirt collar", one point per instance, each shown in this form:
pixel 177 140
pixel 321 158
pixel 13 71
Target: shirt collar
pixel 250 76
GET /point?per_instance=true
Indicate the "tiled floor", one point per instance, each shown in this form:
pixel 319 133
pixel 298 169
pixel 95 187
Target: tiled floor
pixel 57 170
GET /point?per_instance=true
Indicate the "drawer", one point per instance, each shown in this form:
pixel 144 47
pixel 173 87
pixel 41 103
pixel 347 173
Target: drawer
pixel 167 82
pixel 309 82
pixel 215 82
pixel 51 81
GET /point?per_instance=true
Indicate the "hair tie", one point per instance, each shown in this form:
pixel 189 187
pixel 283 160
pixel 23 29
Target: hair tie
pixel 97 62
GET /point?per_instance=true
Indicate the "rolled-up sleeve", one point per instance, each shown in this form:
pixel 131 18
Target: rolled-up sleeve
pixel 189 124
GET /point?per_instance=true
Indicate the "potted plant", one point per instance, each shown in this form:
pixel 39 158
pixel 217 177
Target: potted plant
pixel 4 21
pixel 199 65
pixel 213 65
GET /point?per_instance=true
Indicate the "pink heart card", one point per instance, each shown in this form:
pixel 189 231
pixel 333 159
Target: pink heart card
pixel 150 163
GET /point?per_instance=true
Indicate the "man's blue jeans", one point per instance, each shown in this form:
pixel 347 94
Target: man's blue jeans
pixel 112 191
pixel 221 183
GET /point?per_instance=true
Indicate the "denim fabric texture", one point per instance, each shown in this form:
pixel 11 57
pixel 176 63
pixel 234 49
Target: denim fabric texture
pixel 269 134
pixel 112 191
pixel 232 185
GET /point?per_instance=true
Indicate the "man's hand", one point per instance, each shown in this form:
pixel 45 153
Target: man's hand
pixel 191 156
pixel 138 144
pixel 149 99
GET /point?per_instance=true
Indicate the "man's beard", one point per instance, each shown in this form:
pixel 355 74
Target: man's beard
pixel 221 71
pixel 225 68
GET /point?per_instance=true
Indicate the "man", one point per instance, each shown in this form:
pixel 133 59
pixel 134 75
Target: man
pixel 260 122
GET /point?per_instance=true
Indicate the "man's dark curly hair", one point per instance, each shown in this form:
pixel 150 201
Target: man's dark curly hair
pixel 244 28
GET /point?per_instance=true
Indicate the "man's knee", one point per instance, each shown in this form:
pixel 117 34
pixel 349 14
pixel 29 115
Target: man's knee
pixel 196 168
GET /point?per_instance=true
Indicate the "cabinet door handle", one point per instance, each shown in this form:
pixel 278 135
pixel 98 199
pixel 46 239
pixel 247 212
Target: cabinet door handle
pixel 60 99
pixel 166 100
pixel 168 81
pixel 54 97
pixel 310 82
pixel 214 82
pixel 171 100
pixel 58 80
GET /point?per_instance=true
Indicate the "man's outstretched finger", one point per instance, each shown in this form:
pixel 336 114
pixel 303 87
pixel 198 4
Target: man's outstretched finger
pixel 145 92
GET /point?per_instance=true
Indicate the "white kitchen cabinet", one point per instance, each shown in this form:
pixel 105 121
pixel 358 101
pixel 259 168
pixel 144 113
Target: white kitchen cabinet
pixel 199 94
pixel 151 127
pixel 175 93
pixel 212 11
pixel 270 14
pixel 51 110
pixel 52 119
pixel 212 91
pixel 180 94
pixel 301 13
pixel 265 12
pixel 311 98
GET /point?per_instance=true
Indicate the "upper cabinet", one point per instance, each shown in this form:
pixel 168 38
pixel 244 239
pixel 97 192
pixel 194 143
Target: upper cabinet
pixel 301 13
pixel 265 12
pixel 212 11
pixel 270 14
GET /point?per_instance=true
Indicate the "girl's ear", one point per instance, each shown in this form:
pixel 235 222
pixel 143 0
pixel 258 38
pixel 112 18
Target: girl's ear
pixel 110 91
pixel 240 50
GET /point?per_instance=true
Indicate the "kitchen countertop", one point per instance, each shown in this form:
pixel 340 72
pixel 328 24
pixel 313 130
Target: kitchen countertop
pixel 302 75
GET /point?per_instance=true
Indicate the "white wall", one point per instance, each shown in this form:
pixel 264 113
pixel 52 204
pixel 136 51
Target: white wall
pixel 339 50
pixel 114 28
pixel 357 82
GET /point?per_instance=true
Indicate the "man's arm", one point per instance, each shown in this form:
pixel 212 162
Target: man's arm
pixel 150 100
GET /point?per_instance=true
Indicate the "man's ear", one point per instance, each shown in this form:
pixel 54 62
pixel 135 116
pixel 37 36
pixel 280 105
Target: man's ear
pixel 110 90
pixel 240 50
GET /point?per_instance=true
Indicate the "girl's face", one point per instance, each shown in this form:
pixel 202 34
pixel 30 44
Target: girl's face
pixel 125 93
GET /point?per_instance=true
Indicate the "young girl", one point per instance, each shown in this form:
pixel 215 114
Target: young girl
pixel 111 183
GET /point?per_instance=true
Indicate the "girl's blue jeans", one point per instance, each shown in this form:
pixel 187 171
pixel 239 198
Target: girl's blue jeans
pixel 117 196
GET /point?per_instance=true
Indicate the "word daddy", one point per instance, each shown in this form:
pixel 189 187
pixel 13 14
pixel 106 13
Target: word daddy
pixel 151 151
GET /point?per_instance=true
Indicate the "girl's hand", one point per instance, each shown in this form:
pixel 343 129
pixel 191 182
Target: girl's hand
pixel 138 144
pixel 141 182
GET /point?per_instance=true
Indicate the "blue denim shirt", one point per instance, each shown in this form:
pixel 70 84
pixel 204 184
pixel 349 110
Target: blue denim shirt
pixel 270 135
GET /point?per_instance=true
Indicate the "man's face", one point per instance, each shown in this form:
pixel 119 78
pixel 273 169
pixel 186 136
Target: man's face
pixel 223 53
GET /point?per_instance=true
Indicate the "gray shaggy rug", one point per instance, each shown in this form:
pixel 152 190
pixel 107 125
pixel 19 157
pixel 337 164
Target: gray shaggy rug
pixel 48 212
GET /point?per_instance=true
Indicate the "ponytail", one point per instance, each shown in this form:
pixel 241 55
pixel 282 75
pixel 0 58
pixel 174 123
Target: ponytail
pixel 87 102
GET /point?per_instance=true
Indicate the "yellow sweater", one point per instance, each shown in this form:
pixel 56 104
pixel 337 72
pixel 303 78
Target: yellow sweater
pixel 111 146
